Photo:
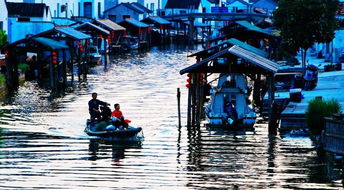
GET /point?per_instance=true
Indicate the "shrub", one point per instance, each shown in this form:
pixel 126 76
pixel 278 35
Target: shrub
pixel 23 67
pixel 2 79
pixel 316 111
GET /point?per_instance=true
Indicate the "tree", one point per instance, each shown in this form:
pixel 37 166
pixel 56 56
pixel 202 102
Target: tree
pixel 3 38
pixel 304 22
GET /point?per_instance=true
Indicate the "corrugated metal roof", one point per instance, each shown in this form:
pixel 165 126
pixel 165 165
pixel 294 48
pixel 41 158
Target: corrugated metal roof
pixel 254 58
pixel 249 56
pixel 52 44
pixel 136 23
pixel 158 20
pixel 248 47
pixel 252 27
pixel 71 32
pixel 26 9
pixel 202 63
pixel 95 27
pixel 231 41
pixel 109 24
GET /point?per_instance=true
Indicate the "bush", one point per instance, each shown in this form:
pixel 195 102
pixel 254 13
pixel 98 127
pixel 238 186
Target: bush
pixel 316 111
pixel 2 79
pixel 23 67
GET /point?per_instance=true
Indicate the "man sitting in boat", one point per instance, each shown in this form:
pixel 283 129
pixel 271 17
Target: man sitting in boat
pixel 105 113
pixel 232 114
pixel 117 117
pixel 93 107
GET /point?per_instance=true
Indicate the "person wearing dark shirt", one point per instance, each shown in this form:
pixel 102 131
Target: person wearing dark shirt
pixel 93 107
pixel 231 111
pixel 105 112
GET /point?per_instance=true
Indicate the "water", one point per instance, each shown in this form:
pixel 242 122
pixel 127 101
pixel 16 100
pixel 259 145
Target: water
pixel 43 145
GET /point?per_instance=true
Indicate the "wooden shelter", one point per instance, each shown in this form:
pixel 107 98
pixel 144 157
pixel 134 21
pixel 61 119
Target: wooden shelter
pixel 96 32
pixel 78 46
pixel 116 32
pixel 162 28
pixel 139 30
pixel 232 59
pixel 51 54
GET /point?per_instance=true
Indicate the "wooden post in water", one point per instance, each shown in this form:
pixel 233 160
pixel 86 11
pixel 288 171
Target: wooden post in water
pixel 178 101
pixel 272 112
pixel 86 60
pixel 79 65
pixel 105 58
pixel 64 69
pixel 52 73
pixel 189 108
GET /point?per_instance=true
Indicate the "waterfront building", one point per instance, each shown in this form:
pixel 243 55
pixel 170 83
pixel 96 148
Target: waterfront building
pixel 185 7
pixel 3 17
pixel 238 6
pixel 123 11
pixel 76 8
pixel 25 19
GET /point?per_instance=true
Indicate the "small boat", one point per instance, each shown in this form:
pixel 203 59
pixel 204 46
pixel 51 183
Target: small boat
pixel 92 129
pixel 230 88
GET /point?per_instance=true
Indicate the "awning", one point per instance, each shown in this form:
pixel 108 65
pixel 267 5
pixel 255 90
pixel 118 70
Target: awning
pixel 93 27
pixel 156 20
pixel 232 41
pixel 52 44
pixel 248 47
pixel 44 44
pixel 110 25
pixel 71 32
pixel 252 27
pixel 136 23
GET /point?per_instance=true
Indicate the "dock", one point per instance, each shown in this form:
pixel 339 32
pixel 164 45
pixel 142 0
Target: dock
pixel 330 86
pixel 333 136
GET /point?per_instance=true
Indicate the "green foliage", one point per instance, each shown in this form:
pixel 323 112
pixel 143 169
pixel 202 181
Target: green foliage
pixel 23 67
pixel 2 79
pixel 304 22
pixel 3 38
pixel 318 109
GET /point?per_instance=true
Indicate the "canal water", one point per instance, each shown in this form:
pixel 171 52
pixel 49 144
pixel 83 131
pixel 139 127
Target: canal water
pixel 43 144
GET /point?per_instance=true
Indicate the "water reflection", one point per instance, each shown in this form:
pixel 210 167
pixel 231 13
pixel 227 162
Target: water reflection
pixel 97 147
pixel 44 145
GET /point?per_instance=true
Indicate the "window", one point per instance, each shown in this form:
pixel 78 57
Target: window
pixel 152 7
pixel 79 11
pixel 1 25
pixel 99 9
pixel 23 19
pixel 88 9
pixel 112 18
pixel 58 10
pixel 126 17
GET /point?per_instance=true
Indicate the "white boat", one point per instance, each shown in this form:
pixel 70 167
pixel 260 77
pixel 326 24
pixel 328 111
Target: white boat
pixel 230 88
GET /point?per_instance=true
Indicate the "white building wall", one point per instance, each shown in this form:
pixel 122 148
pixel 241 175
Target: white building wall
pixel 19 30
pixel 73 7
pixel 3 16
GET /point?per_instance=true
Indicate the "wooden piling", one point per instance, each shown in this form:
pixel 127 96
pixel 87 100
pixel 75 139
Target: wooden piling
pixel 178 103
pixel 189 109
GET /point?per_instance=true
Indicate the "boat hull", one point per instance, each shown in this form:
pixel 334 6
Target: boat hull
pixel 120 134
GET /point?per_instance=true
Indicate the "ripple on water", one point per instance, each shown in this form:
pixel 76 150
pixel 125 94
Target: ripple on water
pixel 43 145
